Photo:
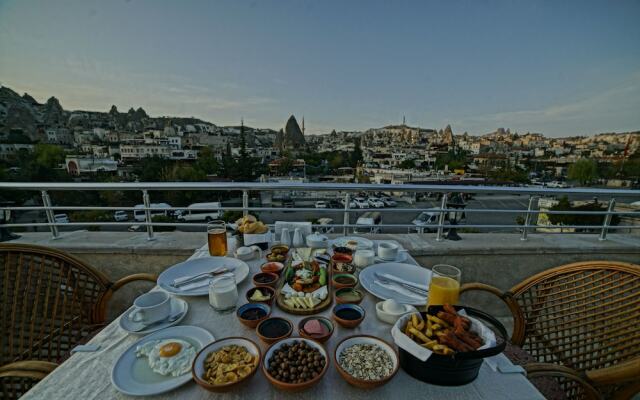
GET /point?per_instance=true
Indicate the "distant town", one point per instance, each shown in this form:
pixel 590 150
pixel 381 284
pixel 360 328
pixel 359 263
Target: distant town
pixel 43 141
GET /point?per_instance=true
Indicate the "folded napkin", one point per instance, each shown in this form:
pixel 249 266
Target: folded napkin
pixel 394 278
pixel 500 363
pixel 401 290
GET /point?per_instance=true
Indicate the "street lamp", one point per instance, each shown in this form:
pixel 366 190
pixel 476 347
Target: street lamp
pixel 455 215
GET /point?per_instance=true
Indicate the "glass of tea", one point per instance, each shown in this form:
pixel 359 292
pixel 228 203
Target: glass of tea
pixel 445 285
pixel 217 237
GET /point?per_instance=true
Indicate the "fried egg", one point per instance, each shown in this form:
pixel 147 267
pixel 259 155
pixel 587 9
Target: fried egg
pixel 167 357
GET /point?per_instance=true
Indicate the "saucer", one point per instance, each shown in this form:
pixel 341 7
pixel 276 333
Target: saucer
pixel 400 257
pixel 177 305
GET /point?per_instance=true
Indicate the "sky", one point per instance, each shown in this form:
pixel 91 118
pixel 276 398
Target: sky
pixel 560 68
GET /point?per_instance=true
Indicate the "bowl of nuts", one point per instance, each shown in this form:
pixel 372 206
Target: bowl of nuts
pixel 365 361
pixel 295 364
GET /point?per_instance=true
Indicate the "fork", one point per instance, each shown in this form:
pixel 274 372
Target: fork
pixel 404 285
pixel 199 276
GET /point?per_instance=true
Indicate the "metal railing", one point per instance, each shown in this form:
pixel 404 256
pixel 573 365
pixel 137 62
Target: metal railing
pixel 348 189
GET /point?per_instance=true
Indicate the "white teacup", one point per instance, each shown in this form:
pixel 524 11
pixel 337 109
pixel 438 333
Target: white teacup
pixel 388 250
pixel 151 307
pixel 248 252
pixel 363 258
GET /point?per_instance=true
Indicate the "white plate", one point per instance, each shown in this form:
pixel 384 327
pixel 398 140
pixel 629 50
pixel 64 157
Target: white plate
pixel 177 305
pixel 407 272
pixel 132 376
pixel 363 243
pixel 197 266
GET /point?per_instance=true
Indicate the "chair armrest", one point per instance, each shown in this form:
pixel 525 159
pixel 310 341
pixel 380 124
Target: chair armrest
pixel 565 376
pixel 27 369
pixel 621 372
pixel 482 287
pixel 132 278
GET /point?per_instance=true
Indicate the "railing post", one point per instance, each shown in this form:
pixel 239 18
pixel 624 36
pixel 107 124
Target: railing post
pixel 527 218
pixel 443 205
pixel 245 203
pixel 147 214
pixel 607 219
pixel 345 220
pixel 46 201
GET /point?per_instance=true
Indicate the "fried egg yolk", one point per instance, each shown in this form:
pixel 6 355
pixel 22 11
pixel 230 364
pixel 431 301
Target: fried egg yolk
pixel 170 349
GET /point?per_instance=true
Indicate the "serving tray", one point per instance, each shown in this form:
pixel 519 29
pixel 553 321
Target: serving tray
pixel 280 297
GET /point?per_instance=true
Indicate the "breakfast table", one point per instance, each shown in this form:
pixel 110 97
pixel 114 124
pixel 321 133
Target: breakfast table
pixel 86 375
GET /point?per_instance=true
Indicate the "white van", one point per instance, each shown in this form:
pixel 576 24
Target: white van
pixel 425 220
pixel 138 212
pixel 368 223
pixel 201 212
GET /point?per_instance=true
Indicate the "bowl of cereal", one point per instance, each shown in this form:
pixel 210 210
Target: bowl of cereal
pixel 225 363
pixel 365 361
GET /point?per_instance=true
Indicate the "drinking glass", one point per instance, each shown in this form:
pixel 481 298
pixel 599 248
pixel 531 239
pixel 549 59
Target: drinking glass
pixel 445 285
pixel 223 293
pixel 217 237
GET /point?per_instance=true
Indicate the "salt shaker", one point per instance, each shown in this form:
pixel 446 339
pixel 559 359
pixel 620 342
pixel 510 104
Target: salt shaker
pixel 285 238
pixel 298 240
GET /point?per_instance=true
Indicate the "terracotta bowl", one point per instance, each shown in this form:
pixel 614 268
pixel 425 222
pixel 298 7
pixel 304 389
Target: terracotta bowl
pixel 365 339
pixel 326 321
pixel 252 323
pixel 267 339
pixel 272 279
pixel 197 368
pixel 340 300
pixel 353 280
pixel 265 290
pixel 293 387
pixel 348 323
pixel 272 267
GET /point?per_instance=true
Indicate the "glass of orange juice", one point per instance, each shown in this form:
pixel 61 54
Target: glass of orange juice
pixel 217 238
pixel 445 285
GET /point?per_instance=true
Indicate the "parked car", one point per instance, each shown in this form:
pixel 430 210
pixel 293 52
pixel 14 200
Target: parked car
pixel 321 204
pixel 352 203
pixel 361 202
pixel 61 218
pixel 135 228
pixel 426 221
pixel 333 203
pixel 120 216
pixel 375 202
pixel 388 201
pixel 368 223
pixel 139 212
pixel 201 212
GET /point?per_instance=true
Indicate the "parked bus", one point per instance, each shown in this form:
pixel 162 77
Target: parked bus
pixel 201 212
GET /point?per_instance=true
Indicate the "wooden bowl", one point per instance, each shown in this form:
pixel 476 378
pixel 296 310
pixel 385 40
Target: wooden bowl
pixel 252 323
pixel 365 339
pixel 197 368
pixel 340 300
pixel 273 267
pixel 345 261
pixel 273 279
pixel 265 290
pixel 348 323
pixel 326 321
pixel 293 387
pixel 268 339
pixel 339 285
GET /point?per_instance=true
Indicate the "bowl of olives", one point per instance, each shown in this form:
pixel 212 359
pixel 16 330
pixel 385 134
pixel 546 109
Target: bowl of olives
pixel 295 364
pixel 278 253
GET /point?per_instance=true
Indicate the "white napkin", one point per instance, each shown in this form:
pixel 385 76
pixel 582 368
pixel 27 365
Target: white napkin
pixel 396 279
pixel 252 238
pixel 401 290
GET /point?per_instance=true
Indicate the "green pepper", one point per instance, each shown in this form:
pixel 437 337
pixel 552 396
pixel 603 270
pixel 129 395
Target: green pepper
pixel 323 277
pixel 288 274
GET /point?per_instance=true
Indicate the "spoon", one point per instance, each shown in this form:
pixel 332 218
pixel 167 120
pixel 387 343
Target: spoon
pixel 170 319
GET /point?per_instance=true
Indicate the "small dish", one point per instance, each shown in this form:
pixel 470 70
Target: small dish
pixel 293 387
pixel 390 317
pixel 370 340
pixel 198 371
pixel 317 241
pixel 265 290
pixel 348 315
pixel 273 329
pixel 278 253
pixel 273 267
pixel 326 322
pixel 265 279
pixel 340 281
pixel 251 321
pixel 348 295
pixel 342 250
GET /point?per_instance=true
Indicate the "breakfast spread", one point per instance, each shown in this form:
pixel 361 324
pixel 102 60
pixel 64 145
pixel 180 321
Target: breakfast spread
pixel 167 357
pixel 229 364
pixel 297 362
pixel 366 361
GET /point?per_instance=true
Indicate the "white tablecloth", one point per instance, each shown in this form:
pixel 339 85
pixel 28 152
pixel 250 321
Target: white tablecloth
pixel 86 376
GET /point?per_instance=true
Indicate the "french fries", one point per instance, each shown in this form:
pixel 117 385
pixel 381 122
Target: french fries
pixel 445 334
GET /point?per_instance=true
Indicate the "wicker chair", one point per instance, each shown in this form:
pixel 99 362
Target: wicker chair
pixel 51 301
pixel 581 321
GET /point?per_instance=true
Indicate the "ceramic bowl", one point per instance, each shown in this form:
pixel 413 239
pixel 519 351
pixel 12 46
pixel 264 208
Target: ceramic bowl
pixel 270 279
pixel 317 241
pixel 272 267
pixel 348 323
pixel 366 339
pixel 293 387
pixel 352 281
pixel 325 321
pixel 265 290
pixel 264 323
pixel 198 371
pixel 355 293
pixel 252 323
pixel 391 318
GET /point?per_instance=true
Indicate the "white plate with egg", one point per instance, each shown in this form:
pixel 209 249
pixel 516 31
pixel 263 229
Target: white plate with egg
pixel 360 242
pixel 159 362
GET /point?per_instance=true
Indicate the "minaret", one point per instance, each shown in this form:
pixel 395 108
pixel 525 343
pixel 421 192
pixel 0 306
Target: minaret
pixel 404 121
pixel 303 125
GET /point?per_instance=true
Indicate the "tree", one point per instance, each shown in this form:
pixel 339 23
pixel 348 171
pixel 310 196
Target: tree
pixel 407 164
pixel 584 171
pixel 207 162
pixel 48 155
pixel 579 219
pixel 356 155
